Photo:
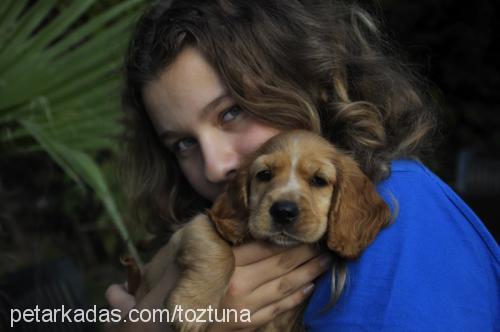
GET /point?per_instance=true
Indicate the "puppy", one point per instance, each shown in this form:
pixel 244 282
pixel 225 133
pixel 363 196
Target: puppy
pixel 297 188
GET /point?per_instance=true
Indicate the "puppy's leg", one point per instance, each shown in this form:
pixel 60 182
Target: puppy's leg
pixel 206 263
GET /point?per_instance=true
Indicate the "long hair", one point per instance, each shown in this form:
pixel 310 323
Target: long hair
pixel 313 64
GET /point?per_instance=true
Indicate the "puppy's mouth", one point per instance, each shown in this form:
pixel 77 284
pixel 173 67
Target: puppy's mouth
pixel 284 239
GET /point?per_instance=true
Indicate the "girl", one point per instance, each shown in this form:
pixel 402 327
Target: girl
pixel 208 81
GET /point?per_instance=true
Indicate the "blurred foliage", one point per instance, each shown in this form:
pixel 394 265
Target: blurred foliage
pixel 60 84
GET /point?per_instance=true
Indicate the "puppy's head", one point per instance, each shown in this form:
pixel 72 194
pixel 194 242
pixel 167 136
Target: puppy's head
pixel 298 188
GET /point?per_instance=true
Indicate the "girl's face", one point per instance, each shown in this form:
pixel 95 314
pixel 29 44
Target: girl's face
pixel 196 118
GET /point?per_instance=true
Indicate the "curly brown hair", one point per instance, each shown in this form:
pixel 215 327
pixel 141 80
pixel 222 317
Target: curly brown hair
pixel 307 64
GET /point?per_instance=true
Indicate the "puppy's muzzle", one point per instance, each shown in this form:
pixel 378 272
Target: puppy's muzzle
pixel 284 213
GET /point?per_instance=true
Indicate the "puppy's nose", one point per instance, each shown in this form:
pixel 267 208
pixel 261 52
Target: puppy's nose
pixel 284 212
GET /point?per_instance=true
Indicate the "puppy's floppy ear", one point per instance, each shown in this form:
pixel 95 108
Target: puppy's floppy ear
pixel 229 212
pixel 357 212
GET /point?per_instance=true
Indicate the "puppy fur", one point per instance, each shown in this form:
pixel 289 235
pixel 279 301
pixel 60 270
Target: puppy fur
pixel 297 188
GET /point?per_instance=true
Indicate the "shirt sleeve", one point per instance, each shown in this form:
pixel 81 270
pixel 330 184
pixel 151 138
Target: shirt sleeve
pixel 435 268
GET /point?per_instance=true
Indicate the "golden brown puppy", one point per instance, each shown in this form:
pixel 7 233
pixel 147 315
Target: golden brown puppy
pixel 298 188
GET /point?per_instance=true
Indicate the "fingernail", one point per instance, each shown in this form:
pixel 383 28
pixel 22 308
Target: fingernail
pixel 308 289
pixel 325 261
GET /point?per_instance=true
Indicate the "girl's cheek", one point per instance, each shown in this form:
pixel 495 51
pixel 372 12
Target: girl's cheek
pixel 194 173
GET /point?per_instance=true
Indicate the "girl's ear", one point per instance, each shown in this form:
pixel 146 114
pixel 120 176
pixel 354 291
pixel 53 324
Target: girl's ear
pixel 229 212
pixel 357 212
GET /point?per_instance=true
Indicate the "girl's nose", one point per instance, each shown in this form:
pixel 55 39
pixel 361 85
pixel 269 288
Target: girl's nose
pixel 221 158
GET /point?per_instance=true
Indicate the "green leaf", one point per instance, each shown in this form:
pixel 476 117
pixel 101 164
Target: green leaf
pixel 91 27
pixel 49 146
pixel 28 22
pixel 60 88
pixel 78 164
pixel 59 25
pixel 9 17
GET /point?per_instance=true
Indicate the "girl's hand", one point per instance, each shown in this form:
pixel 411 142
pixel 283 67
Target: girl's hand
pixel 118 297
pixel 269 280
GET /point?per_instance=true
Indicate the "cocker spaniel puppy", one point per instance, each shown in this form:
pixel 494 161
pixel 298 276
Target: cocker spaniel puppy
pixel 297 188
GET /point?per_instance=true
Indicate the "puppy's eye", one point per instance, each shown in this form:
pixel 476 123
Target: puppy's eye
pixel 318 181
pixel 264 176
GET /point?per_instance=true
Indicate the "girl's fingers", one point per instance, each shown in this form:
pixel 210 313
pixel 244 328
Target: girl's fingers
pixel 254 275
pixel 119 298
pixel 264 315
pixel 155 298
pixel 288 284
pixel 255 251
pixel 269 312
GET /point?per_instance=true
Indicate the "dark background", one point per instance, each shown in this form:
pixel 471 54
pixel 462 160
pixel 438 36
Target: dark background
pixel 456 47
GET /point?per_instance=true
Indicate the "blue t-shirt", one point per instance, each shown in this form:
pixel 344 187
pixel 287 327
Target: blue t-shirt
pixel 436 268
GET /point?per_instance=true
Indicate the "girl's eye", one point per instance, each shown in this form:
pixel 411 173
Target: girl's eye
pixel 183 144
pixel 231 113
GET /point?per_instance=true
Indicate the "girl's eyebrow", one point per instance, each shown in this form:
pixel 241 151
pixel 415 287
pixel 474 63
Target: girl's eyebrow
pixel 212 105
pixel 166 134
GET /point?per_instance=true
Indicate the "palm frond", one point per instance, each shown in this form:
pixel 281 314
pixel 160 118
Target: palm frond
pixel 59 86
